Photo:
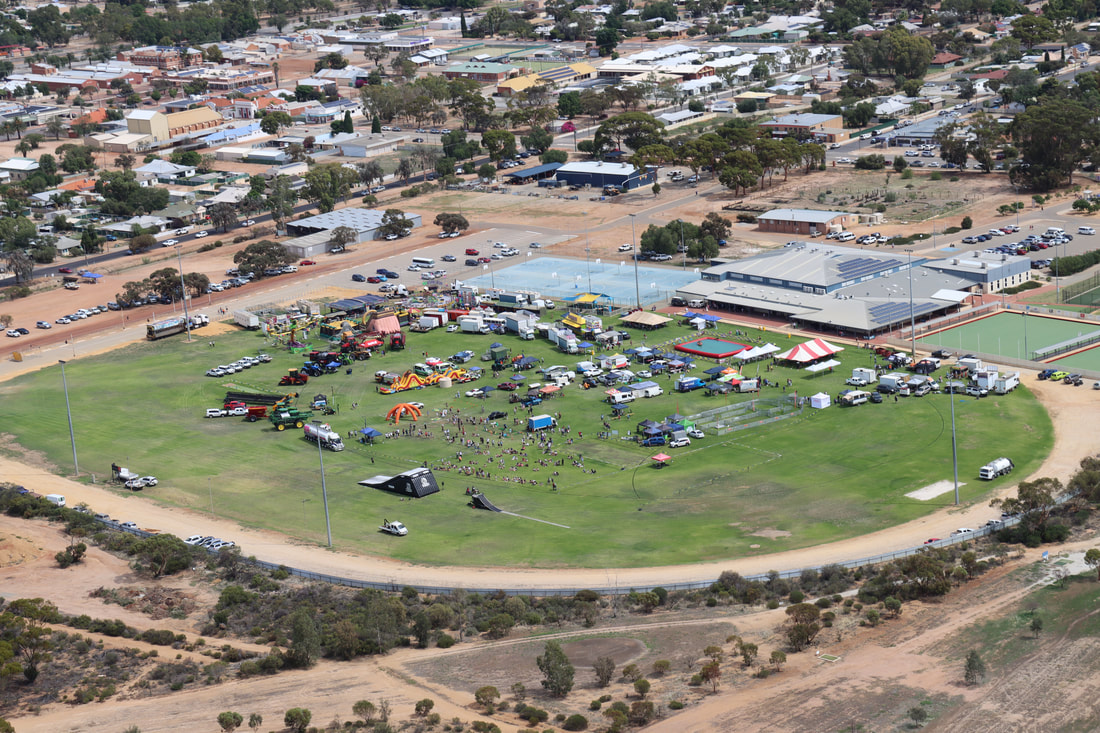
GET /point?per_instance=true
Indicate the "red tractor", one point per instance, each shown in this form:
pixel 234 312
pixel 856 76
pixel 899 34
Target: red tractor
pixel 293 377
pixel 397 341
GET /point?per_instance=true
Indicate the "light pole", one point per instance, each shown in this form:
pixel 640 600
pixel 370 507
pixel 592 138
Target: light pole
pixel 324 490
pixel 1057 280
pixel 183 291
pixel 587 252
pixel 954 447
pixel 912 317
pixel 682 247
pixel 69 413
pixel 634 250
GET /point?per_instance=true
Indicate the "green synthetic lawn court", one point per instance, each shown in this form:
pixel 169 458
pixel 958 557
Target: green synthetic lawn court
pixel 1004 334
pixel 797 482
pixel 1088 359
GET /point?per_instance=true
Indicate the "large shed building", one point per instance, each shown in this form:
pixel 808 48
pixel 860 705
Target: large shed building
pixel 598 173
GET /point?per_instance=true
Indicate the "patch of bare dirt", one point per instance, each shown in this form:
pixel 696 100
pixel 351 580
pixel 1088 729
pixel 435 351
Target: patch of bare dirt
pixel 16 550
pixel 771 534
pixel 585 652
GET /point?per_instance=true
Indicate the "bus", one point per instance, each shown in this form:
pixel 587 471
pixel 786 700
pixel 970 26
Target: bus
pixel 423 261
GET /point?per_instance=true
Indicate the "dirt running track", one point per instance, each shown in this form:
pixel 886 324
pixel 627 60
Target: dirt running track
pixel 1073 410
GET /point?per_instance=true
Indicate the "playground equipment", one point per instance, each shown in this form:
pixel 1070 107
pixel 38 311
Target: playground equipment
pixel 395 414
pixel 412 380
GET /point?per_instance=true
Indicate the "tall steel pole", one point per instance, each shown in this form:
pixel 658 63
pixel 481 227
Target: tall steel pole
pixel 634 244
pixel 587 252
pixel 685 252
pixel 954 448
pixel 912 316
pixel 324 490
pixel 1057 280
pixel 183 291
pixel 69 413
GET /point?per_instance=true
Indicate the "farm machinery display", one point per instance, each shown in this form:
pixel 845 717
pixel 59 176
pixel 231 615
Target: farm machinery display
pixel 290 417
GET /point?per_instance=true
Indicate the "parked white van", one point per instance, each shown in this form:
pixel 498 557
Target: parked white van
pixel 56 499
pixel 845 237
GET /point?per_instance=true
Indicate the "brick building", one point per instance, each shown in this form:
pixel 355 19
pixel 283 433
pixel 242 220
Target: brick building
pixel 167 58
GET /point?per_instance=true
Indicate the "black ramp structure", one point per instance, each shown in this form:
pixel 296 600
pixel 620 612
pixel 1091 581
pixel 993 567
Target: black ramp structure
pixel 480 502
pixel 417 483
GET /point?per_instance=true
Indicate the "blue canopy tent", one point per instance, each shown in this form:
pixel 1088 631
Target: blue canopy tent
pixel 368 435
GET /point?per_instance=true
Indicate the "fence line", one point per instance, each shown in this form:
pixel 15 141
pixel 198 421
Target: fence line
pixel 394 585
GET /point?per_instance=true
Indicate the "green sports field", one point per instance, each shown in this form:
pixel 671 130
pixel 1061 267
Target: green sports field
pixel 817 477
pixel 1007 334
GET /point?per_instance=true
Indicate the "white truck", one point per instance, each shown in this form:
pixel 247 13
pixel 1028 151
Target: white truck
pixel 861 377
pixel 56 499
pixel 1006 383
pixel 245 319
pixel 394 528
pixel 993 469
pixel 325 434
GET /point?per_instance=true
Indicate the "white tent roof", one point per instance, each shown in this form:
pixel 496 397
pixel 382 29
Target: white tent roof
pixel 823 365
pixel 756 351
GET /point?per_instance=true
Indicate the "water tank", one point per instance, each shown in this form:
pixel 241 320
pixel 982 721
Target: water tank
pixel 445 382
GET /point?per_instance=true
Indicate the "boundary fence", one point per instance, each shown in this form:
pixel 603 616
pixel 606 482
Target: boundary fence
pixel 395 585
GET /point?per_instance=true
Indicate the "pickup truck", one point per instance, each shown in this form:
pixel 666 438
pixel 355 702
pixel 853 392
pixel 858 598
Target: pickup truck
pixel 856 381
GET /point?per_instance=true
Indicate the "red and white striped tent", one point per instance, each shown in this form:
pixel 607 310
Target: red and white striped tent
pixel 810 351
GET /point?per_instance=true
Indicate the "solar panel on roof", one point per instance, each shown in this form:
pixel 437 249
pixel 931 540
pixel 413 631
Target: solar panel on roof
pixel 885 312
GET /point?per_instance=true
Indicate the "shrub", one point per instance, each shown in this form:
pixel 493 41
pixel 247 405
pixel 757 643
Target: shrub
pixel 19 291
pixel 575 722
pixel 445 641
pixel 746 218
pixel 675 705
pixel 967 222
pixel 595 705
pixel 874 162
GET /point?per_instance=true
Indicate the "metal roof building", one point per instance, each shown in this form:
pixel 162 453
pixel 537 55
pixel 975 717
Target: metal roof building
pixel 833 288
pixel 527 175
pixel 364 221
pixel 597 174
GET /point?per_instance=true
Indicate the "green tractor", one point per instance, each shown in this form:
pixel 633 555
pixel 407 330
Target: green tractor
pixel 292 417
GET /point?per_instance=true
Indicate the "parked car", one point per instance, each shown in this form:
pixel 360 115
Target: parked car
pixel 202 234
pixel 43 324
pixel 358 278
